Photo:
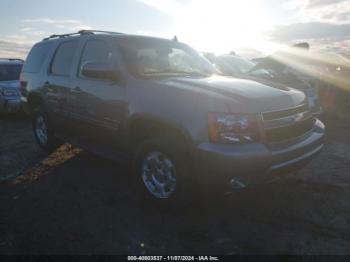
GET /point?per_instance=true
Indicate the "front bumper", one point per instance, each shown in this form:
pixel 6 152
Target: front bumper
pixel 10 105
pixel 217 164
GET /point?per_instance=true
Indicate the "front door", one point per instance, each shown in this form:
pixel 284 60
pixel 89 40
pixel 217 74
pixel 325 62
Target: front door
pixel 99 106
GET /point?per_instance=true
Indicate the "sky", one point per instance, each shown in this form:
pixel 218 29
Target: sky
pixel 249 27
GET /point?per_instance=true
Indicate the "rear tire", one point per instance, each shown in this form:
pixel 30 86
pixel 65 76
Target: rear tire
pixel 43 130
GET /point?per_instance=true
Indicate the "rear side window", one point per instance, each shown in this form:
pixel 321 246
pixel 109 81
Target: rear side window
pixel 36 58
pixel 96 51
pixel 63 59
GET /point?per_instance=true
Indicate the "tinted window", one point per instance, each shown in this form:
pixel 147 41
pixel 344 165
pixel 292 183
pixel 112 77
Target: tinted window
pixel 145 57
pixel 96 51
pixel 63 60
pixel 10 72
pixel 36 58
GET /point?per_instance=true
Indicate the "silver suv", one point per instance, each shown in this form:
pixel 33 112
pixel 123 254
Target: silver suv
pixel 159 104
pixel 10 98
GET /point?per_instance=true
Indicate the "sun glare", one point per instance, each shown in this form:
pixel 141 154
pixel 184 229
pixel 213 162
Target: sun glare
pixel 222 25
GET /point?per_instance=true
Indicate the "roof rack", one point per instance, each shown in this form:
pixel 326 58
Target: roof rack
pixel 60 36
pixel 98 31
pixel 81 32
pixel 12 59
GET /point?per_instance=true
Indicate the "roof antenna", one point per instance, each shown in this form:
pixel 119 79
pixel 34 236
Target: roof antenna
pixel 175 39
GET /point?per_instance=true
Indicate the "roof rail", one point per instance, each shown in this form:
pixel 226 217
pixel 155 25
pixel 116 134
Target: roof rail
pixel 81 32
pixel 12 59
pixel 60 36
pixel 98 31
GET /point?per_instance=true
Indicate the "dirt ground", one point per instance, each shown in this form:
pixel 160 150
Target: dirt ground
pixel 73 202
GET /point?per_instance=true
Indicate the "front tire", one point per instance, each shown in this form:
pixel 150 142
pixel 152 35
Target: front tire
pixel 162 170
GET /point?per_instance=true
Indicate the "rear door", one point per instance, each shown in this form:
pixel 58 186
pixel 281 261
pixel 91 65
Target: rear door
pixel 98 106
pixel 58 84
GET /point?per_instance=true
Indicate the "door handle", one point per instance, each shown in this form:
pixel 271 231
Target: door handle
pixel 47 84
pixel 48 87
pixel 76 90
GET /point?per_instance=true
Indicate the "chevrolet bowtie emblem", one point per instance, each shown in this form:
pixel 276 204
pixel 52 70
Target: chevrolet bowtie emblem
pixel 298 117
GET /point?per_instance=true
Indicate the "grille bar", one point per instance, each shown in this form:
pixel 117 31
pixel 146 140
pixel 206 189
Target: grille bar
pixel 287 124
pixel 290 132
pixel 273 115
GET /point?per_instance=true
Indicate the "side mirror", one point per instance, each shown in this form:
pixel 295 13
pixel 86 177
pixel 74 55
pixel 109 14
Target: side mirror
pixel 97 70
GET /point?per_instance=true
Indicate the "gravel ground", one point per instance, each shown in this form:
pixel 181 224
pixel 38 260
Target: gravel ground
pixel 72 202
pixel 18 150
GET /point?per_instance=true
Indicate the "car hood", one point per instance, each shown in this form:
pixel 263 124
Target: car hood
pixel 245 95
pixel 10 84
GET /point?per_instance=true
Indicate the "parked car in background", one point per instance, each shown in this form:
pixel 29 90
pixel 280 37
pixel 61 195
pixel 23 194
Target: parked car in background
pixel 334 83
pixel 286 68
pixel 10 98
pixel 237 66
pixel 159 104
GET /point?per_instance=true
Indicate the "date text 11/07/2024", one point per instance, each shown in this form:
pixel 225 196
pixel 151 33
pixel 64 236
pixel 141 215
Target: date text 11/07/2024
pixel 173 258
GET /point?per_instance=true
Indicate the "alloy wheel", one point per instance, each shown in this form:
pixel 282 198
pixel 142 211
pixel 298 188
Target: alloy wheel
pixel 159 175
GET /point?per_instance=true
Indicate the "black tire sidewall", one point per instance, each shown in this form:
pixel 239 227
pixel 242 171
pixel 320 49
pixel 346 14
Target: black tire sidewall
pixel 51 143
pixel 176 152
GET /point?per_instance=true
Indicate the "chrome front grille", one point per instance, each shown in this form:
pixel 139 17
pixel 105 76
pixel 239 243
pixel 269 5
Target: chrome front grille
pixel 287 124
pixel 272 115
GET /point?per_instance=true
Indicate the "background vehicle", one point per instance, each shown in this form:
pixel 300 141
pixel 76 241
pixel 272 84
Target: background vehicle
pixel 159 103
pixel 284 67
pixel 333 82
pixel 234 65
pixel 264 69
pixel 10 99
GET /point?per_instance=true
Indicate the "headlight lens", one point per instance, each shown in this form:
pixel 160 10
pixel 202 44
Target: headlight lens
pixel 9 92
pixel 232 128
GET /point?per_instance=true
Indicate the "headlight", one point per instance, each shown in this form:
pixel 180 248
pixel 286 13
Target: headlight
pixel 9 92
pixel 232 128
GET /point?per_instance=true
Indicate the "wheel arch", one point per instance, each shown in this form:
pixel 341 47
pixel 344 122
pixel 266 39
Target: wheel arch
pixel 33 101
pixel 141 127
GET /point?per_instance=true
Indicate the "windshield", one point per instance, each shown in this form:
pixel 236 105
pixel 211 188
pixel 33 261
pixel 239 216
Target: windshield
pixel 239 64
pixel 10 72
pixel 157 57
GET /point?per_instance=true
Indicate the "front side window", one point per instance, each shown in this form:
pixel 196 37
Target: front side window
pixel 96 51
pixel 63 59
pixel 10 72
pixel 157 57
